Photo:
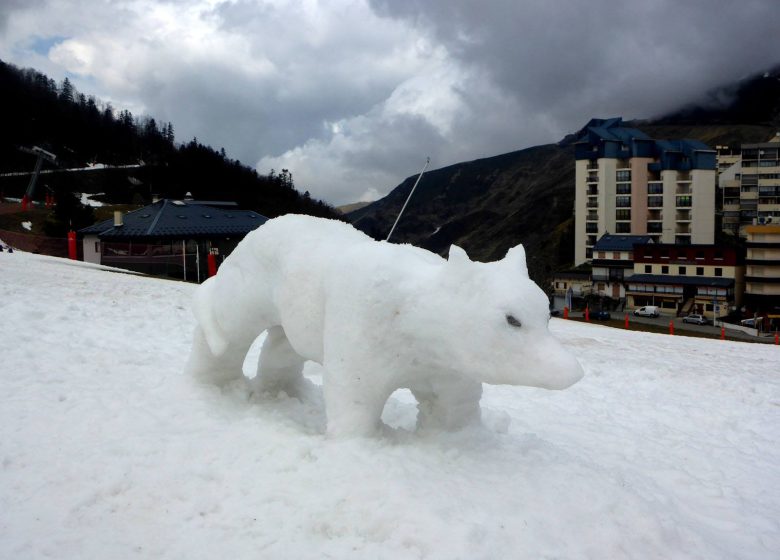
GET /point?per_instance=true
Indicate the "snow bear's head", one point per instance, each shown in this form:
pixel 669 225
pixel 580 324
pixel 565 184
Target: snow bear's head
pixel 492 323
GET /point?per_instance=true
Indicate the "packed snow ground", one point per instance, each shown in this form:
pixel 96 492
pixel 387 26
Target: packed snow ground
pixel 668 448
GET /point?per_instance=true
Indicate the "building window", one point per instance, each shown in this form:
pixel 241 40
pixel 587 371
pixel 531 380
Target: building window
pixel 718 272
pixel 97 246
pixel 616 255
pixel 623 201
pixel 648 268
pixel 699 271
pixel 664 269
pixel 681 270
pixel 602 255
pixel 623 188
pixel 655 201
pixel 699 255
pixel 600 287
pixel 684 201
pixel 623 214
pixel 622 227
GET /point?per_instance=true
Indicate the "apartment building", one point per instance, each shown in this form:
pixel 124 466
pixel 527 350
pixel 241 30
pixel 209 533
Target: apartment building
pixel 628 183
pixel 762 277
pixel 682 279
pixel 613 263
pixel 759 195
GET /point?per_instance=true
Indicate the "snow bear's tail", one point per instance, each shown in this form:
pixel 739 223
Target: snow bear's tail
pixel 203 307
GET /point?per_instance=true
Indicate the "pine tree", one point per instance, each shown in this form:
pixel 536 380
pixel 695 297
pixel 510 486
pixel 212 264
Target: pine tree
pixel 66 91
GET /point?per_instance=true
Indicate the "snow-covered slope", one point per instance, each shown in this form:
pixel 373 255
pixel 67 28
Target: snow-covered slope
pixel 668 448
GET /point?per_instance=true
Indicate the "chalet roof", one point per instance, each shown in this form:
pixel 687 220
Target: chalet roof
pixel 703 281
pixel 612 242
pixel 179 219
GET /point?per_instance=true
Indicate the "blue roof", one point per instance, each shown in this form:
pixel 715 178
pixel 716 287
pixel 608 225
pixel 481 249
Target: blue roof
pixel 608 138
pixel 705 281
pixel 610 242
pixel 179 219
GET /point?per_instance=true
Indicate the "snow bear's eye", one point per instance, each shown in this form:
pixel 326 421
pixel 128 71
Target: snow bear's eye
pixel 512 321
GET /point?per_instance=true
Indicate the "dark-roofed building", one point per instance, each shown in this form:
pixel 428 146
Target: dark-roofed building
pixel 169 237
pixel 628 183
pixel 613 263
pixel 704 279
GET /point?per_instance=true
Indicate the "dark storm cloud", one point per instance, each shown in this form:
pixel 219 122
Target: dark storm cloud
pixel 351 97
pixel 577 56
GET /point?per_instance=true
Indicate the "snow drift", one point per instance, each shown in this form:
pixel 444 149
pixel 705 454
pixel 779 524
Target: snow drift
pixel 668 447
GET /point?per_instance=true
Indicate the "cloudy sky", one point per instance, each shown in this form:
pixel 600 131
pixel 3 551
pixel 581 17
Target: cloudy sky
pixel 353 95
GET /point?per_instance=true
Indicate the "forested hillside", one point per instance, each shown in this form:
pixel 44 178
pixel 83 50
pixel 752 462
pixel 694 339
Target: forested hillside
pixel 82 131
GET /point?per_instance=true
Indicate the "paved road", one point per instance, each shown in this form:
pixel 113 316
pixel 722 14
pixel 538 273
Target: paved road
pixel 679 326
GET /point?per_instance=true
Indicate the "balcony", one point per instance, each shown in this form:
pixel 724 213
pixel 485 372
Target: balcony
pixel 684 189
pixel 683 216
pixel 592 204
pixel 655 227
pixel 684 201
pixel 655 202
pixel 592 217
pixel 683 229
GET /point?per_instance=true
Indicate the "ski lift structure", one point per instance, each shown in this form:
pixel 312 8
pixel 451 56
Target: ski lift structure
pixel 408 198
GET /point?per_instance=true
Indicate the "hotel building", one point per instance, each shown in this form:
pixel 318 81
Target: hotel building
pixel 628 183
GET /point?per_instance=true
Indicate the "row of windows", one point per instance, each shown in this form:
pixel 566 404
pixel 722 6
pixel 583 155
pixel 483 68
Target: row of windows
pixel 682 270
pixel 661 289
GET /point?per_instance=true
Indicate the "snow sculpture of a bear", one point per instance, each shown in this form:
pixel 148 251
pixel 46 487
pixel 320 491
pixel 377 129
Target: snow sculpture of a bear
pixel 378 317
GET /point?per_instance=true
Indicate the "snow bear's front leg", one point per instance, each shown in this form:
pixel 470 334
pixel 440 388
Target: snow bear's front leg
pixel 448 403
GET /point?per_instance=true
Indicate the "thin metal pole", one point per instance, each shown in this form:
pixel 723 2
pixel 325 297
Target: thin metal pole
pixel 392 229
pixel 197 259
pixel 184 257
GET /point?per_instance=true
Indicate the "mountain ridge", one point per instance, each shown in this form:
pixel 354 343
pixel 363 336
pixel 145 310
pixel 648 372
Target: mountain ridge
pixel 490 204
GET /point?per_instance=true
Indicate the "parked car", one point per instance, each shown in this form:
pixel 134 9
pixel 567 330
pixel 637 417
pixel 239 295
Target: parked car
pixel 599 315
pixel 647 311
pixel 752 322
pixel 696 319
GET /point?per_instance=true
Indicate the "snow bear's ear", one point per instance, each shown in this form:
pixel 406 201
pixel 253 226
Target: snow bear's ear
pixel 515 258
pixel 457 255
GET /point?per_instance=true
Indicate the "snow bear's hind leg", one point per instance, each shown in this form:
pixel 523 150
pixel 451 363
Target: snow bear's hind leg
pixel 222 369
pixel 280 368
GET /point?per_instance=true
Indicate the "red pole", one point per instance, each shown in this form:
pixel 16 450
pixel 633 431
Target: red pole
pixel 587 314
pixel 72 251
pixel 25 202
pixel 212 260
pixel 566 312
pixel 777 339
pixel 626 320
pixel 671 327
pixel 723 333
